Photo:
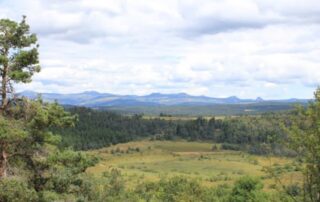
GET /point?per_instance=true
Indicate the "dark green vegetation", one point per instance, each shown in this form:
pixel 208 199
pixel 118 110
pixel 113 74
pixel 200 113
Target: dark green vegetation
pixel 304 133
pixel 206 110
pixel 257 134
pixel 31 165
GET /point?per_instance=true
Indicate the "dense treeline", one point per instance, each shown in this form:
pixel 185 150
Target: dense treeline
pixel 95 129
pixel 207 110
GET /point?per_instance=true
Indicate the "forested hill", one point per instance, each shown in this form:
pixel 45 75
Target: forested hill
pixel 96 129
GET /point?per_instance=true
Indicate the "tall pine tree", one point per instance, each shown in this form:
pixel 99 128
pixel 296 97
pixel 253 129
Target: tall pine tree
pixel 19 58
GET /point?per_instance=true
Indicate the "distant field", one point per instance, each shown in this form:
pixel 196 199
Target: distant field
pixel 206 110
pixel 151 160
pixel 181 118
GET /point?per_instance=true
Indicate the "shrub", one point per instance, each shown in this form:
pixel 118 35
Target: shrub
pixel 247 189
pixel 214 147
pixel 12 190
pixel 227 146
pixel 180 189
pixel 260 149
pixel 293 190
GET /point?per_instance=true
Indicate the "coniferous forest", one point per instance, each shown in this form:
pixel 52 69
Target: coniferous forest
pixel 257 134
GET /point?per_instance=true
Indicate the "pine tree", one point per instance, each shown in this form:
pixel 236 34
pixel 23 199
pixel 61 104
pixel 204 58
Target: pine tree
pixel 19 58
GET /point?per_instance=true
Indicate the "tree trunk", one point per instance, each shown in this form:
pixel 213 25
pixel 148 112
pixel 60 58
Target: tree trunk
pixel 4 77
pixel 3 164
pixel 4 100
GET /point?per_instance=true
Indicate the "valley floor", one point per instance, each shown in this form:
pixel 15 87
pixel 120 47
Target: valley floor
pixel 151 160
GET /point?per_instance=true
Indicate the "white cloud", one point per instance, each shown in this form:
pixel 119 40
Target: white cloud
pixel 247 48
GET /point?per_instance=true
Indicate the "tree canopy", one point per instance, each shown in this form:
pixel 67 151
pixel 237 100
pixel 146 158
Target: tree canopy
pixel 304 130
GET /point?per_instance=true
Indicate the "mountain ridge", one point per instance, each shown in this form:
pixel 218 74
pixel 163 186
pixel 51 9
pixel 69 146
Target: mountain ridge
pixel 97 99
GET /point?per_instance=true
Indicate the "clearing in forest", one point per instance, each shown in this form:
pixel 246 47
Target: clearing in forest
pixel 152 160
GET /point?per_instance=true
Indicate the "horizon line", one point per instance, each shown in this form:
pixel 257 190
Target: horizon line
pixel 232 96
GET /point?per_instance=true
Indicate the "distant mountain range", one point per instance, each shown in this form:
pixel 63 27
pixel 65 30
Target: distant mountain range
pixel 96 99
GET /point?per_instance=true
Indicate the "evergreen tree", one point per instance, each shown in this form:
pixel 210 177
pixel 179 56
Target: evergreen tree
pixel 18 56
pixel 30 161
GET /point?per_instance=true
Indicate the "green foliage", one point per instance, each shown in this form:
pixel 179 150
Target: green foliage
pixel 294 190
pixel 77 162
pixel 180 189
pixel 206 110
pixel 304 130
pixel 114 184
pixel 14 190
pixel 29 147
pixel 11 135
pixel 247 189
pixel 256 134
pixel 228 146
pixel 19 57
pixel 14 38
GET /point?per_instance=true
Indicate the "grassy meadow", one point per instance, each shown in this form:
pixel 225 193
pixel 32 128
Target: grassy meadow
pixel 152 160
pixel 182 118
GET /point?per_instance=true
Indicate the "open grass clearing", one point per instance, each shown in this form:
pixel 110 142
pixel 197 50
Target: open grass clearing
pixel 152 160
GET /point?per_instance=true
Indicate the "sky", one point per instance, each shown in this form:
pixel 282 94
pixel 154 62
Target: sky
pixel 218 48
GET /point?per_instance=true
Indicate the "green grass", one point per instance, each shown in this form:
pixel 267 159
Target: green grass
pixel 182 146
pixel 156 159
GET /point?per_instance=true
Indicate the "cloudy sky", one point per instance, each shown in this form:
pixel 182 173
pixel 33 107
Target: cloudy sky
pixel 219 48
